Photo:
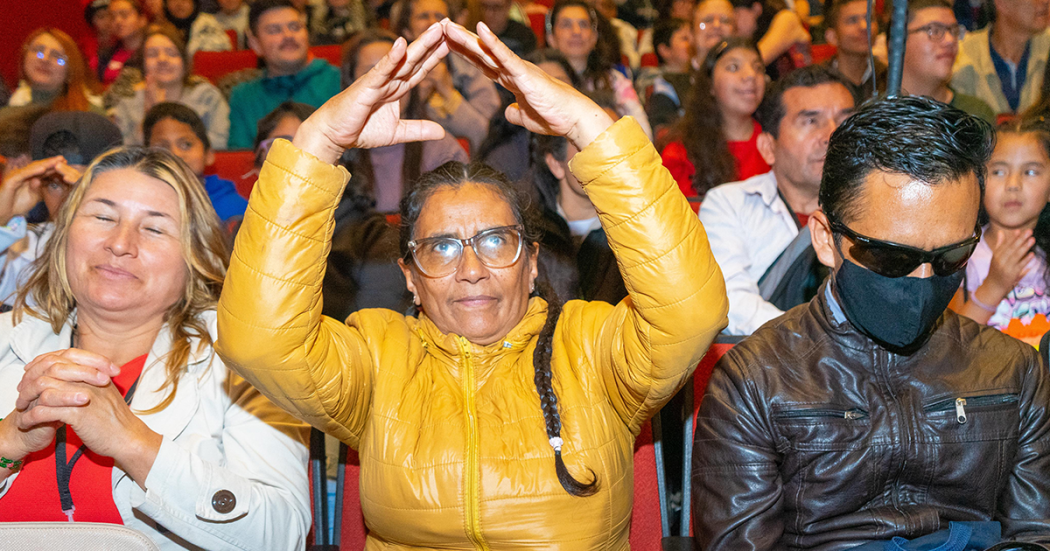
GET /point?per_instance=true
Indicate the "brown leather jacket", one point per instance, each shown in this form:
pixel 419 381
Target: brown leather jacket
pixel 812 437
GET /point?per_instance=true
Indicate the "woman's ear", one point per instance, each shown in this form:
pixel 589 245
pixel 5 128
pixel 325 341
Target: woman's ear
pixel 555 166
pixel 823 239
pixel 410 283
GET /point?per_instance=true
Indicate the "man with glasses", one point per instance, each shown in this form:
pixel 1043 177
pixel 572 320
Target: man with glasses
pixel 278 34
pixel 872 412
pixel 847 30
pixel 932 44
pixel 1003 63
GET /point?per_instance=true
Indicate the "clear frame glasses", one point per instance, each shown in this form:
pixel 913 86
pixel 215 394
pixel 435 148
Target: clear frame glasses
pixel 495 248
pixel 936 31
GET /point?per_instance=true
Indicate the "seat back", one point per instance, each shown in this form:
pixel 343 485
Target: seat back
pixel 214 65
pixel 822 52
pixel 538 22
pixel 237 166
pixel 332 54
pixel 351 531
pixel 73 536
pixel 646 519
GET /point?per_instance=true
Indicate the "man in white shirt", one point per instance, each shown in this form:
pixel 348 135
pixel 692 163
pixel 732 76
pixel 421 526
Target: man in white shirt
pixel 751 223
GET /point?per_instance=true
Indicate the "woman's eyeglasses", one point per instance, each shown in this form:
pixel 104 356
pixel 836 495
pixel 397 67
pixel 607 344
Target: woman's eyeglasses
pixel 55 56
pixel 495 248
pixel 895 260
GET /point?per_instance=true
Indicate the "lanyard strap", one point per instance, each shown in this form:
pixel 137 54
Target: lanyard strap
pixel 63 469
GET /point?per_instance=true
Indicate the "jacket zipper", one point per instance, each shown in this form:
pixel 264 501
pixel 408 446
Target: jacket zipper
pixel 472 505
pixel 960 404
pixel 905 436
pixel 849 414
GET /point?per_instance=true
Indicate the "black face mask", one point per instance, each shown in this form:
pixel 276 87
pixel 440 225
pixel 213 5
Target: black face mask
pixel 897 313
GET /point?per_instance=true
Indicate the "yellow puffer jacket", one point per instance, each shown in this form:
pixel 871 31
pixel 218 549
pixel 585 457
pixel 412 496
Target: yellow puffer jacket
pixel 454 454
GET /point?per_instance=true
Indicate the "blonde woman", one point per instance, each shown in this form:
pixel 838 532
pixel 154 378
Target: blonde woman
pixel 116 408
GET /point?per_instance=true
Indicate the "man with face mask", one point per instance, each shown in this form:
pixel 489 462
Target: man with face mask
pixel 872 412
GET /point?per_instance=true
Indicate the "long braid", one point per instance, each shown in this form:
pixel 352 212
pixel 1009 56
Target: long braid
pixel 541 360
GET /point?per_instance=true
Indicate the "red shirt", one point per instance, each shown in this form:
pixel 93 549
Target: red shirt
pixel 33 496
pixel 748 161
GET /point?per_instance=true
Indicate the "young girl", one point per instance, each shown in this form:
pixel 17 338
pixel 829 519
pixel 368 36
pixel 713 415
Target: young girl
pixel 729 87
pixel 1007 277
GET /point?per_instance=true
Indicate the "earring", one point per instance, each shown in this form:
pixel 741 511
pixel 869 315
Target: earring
pixel 415 299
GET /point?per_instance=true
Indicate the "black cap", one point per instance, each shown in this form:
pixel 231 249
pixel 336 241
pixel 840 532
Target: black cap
pixel 79 136
pixel 94 6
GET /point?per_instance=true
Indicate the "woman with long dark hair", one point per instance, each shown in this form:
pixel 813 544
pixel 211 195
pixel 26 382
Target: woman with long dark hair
pixel 495 419
pixel 587 40
pixel 728 89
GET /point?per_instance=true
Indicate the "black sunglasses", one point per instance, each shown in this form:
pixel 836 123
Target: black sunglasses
pixel 896 260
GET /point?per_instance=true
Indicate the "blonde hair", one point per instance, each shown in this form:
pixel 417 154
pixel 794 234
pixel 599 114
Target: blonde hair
pixel 204 249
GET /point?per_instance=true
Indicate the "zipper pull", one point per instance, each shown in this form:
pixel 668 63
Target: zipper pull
pixel 960 410
pixel 851 415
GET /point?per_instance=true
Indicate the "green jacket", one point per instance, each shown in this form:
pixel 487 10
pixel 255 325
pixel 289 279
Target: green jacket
pixel 253 100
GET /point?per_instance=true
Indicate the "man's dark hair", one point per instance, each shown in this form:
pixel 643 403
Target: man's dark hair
pixel 259 7
pixel 664 30
pixel 771 111
pixel 915 5
pixel 177 112
pixel 915 136
pixel 832 16
pixel 268 123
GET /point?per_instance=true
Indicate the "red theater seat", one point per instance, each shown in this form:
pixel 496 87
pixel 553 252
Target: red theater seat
pixel 822 52
pixel 237 167
pixel 214 65
pixel 333 54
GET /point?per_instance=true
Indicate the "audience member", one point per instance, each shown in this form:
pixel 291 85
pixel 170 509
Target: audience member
pixel 575 258
pixel 872 413
pixel 97 15
pixel 496 14
pixel 713 22
pixel 178 129
pixel 1006 280
pixel 200 31
pixel 169 443
pixel 933 42
pixel 780 34
pixel 468 364
pixel 758 227
pixel 506 148
pixel 278 34
pixel 165 78
pixel 52 72
pixel 729 88
pixel 456 95
pixel 626 33
pixel 281 123
pixel 672 84
pixel 129 25
pixel 233 16
pixel 62 144
pixel 386 174
pixel 572 29
pixel 338 20
pixel 1002 64
pixel 847 30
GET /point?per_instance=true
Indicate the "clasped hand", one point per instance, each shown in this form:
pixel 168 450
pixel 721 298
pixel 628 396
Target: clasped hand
pixel 368 114
pixel 75 387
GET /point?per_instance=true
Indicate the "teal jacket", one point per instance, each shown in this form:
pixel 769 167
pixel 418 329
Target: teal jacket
pixel 253 100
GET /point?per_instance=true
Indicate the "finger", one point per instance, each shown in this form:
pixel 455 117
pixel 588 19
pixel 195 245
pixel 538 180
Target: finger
pixel 44 415
pixel 56 391
pixel 500 51
pixel 64 394
pixel 421 49
pixel 69 174
pixel 424 71
pixel 417 131
pixel 91 359
pixel 470 45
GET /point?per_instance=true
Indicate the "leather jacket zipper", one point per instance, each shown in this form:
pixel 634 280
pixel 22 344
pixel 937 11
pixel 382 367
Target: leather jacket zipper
pixel 830 413
pixel 960 404
pixel 472 470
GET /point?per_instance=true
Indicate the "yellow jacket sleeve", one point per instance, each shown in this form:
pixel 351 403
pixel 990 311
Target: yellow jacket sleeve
pixel 651 342
pixel 271 330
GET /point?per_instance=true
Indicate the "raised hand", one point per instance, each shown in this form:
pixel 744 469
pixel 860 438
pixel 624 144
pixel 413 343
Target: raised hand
pixel 544 104
pixel 1011 254
pixel 368 113
pixel 20 190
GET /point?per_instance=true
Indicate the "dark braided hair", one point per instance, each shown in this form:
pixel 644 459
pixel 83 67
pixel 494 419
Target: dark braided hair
pixel 454 174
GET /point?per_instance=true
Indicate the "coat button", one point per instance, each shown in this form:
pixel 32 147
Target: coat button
pixel 223 501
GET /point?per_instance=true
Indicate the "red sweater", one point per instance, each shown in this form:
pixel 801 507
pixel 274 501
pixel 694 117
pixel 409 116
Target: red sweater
pixel 748 161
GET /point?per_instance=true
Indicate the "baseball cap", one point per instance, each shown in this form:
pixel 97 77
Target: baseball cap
pixel 79 136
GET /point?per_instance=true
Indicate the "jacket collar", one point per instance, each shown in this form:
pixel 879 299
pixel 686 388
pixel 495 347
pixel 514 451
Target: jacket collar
pixel 448 347
pixel 289 84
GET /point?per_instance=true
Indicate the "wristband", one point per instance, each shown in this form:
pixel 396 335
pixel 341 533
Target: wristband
pixel 977 302
pixel 11 464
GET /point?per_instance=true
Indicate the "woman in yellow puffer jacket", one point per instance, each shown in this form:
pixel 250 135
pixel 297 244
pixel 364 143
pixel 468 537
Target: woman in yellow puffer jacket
pixel 456 414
